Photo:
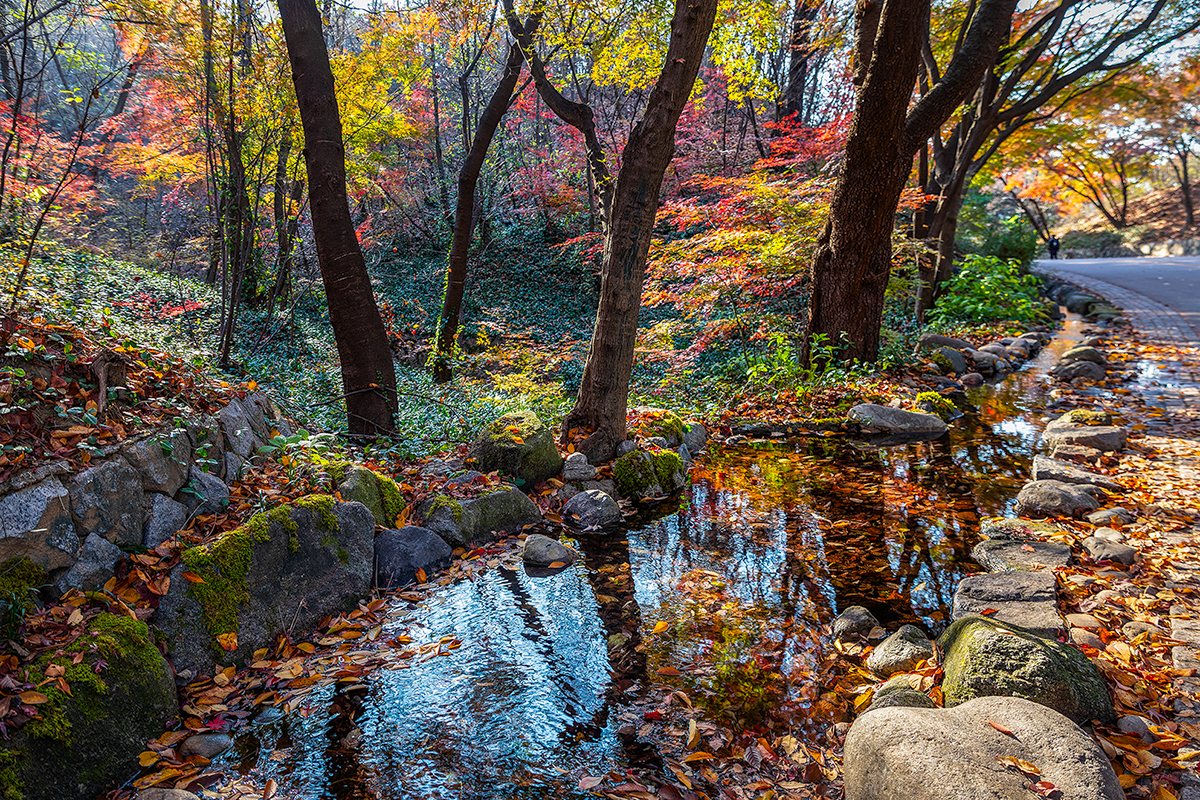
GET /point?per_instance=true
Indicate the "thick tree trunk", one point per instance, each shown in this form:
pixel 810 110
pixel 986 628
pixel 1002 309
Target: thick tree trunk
pixel 368 375
pixel 464 212
pixel 604 389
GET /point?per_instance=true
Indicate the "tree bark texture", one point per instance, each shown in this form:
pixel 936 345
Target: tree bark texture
pixel 853 258
pixel 604 389
pixel 368 374
pixel 464 210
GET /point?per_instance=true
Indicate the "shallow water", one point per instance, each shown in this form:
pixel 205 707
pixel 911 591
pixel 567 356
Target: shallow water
pixel 771 538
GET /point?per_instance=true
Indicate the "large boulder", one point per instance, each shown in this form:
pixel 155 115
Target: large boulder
pixel 285 568
pixel 873 417
pixel 400 553
pixel 592 508
pixel 649 474
pixel 378 493
pixel 1027 599
pixel 36 523
pixel 953 754
pixel 520 446
pixel 87 742
pixel 466 523
pixel 162 460
pixel 1056 499
pixel 986 657
pixel 107 501
pixel 900 652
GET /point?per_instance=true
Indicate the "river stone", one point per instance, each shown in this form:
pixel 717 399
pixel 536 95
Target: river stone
pixel 1074 452
pixel 996 349
pixel 577 468
pixel 900 652
pixel 1079 369
pixel 1101 437
pixel 1104 550
pixel 1109 535
pixel 162 460
pixel 695 436
pixel 36 523
pixel 854 621
pixel 466 523
pixel 1108 516
pixel 205 493
pixel 165 794
pixel 238 431
pixel 112 713
pixel 649 474
pixel 972 379
pixel 1016 529
pixel 932 341
pixel 956 360
pixel 950 754
pixel 208 745
pixel 97 562
pixel 898 692
pixel 519 445
pixel 1055 499
pixel 167 518
pixel 895 420
pixel 360 485
pixel 592 508
pixel 1027 599
pixel 302 561
pixel 400 553
pixel 542 551
pixel 1082 353
pixel 107 500
pixel 1085 638
pixel 1080 302
pixel 1001 555
pixel 985 657
pixel 1051 469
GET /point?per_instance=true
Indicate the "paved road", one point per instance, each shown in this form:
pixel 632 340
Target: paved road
pixel 1173 281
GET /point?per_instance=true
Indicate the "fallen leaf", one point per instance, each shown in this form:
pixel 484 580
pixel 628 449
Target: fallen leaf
pixel 32 698
pixel 660 626
pixel 699 755
pixel 1001 728
pixel 228 641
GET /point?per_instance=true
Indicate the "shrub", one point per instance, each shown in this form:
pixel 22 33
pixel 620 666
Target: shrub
pixel 1011 240
pixel 986 289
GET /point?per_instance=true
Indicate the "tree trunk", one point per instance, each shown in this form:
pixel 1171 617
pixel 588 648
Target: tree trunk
pixel 1185 186
pixel 464 211
pixel 368 375
pixel 800 49
pixel 604 389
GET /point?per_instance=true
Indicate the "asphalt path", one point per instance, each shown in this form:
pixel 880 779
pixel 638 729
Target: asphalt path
pixel 1173 281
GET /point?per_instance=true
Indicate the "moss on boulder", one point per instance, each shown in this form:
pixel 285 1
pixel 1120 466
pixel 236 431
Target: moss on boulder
pixel 286 567
pixel 652 472
pixel 85 742
pixel 377 492
pixel 466 523
pixel 519 445
pixel 986 657
pixel 658 422
pixel 1086 416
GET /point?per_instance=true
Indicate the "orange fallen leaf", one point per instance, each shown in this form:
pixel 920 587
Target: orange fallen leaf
pixel 228 641
pixel 1001 728
pixel 670 672
pixel 699 755
pixel 32 698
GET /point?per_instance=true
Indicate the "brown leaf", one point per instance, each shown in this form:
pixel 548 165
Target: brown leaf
pixel 1001 728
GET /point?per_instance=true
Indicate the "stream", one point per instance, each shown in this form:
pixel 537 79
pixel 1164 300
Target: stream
pixel 770 537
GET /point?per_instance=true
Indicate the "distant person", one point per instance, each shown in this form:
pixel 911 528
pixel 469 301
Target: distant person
pixel 1052 246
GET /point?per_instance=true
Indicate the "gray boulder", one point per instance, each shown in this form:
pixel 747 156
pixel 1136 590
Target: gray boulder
pixel 853 621
pixel 985 657
pixel 466 523
pixel 204 493
pixel 695 436
pixel 1001 555
pixel 1074 452
pixel 951 754
pixel 284 569
pixel 1016 529
pixel 1027 599
pixel 932 341
pixel 235 466
pixel 1082 353
pixel 900 652
pixel 1079 369
pixel 898 692
pixel 1108 516
pixel 874 417
pixel 520 446
pixel 972 379
pixel 1106 438
pixel 1051 469
pixel 542 551
pixel 97 562
pixel 36 523
pixel 956 360
pixel 577 468
pixel 167 518
pixel 238 430
pixel 1103 549
pixel 107 500
pixel 162 460
pixel 649 474
pixel 208 444
pixel 592 509
pixel 400 553
pixel 1056 499
pixel 207 745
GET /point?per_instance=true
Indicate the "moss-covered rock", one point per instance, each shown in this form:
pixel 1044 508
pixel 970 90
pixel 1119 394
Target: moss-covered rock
pixel 466 523
pixel 520 446
pixel 20 579
pixel 934 403
pixel 658 422
pixel 1086 416
pixel 82 743
pixel 377 492
pixel 985 657
pixel 285 568
pixel 652 472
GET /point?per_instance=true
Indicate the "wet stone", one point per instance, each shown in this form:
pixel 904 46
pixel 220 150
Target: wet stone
pixel 854 621
pixel 542 551
pixel 1001 555
pixel 593 509
pixel 208 745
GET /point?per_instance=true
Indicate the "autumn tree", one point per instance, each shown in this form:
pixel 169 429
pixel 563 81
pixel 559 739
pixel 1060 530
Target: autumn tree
pixel 368 375
pixel 1170 108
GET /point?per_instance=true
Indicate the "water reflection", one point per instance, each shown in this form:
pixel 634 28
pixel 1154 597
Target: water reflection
pixel 776 537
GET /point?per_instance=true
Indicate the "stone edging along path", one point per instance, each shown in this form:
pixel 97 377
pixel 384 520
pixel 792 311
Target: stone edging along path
pixel 1003 649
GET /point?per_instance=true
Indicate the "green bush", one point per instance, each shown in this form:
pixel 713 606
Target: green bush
pixel 1011 240
pixel 986 289
pixel 1091 240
